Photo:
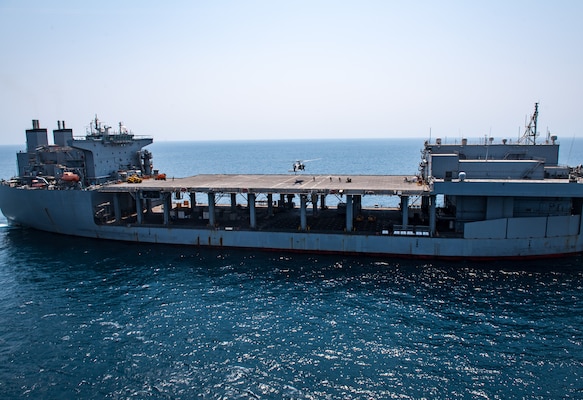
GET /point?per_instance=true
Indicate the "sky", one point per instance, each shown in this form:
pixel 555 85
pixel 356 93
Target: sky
pixel 266 69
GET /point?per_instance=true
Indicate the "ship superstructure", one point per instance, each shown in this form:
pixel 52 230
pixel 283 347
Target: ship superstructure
pixel 100 156
pixel 484 200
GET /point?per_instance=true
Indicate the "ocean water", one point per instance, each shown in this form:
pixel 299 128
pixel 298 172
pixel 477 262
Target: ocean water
pixel 83 318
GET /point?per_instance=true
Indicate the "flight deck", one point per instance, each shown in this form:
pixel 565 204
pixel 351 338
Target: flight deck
pixel 281 184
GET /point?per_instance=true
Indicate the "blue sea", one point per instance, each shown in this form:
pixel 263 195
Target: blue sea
pixel 88 319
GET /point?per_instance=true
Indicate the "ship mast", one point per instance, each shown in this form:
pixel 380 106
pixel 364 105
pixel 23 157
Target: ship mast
pixel 531 132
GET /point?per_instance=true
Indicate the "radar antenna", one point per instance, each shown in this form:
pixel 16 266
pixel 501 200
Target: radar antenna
pixel 530 133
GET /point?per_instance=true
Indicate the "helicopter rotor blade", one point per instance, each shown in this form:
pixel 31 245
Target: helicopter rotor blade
pixel 313 159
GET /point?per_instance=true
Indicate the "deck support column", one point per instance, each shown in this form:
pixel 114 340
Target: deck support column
pixel 303 213
pixel 116 208
pixel 281 200
pixel 233 201
pixel 167 207
pixel 192 205
pixel 139 210
pixel 405 211
pixel 314 204
pixel 148 206
pixel 425 203
pixel 193 201
pixel 290 201
pixel 211 201
pixel 323 201
pixel 269 205
pixel 357 204
pixel 432 219
pixel 252 214
pixel 349 213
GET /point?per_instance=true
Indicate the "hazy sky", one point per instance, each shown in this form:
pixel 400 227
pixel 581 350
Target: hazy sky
pixel 198 70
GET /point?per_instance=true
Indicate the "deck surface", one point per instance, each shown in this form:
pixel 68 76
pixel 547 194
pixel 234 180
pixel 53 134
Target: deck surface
pixel 324 184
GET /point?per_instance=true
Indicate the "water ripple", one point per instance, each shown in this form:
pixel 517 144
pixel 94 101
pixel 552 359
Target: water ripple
pixel 167 322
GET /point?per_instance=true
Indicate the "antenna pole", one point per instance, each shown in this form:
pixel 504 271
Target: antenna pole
pixel 531 131
pixel 535 119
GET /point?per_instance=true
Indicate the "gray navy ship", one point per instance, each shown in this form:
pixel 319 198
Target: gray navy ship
pixel 471 201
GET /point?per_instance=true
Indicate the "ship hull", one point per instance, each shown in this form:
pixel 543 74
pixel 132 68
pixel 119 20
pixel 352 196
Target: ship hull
pixel 70 212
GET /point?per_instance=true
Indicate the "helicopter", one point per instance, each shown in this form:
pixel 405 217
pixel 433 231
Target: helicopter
pixel 300 165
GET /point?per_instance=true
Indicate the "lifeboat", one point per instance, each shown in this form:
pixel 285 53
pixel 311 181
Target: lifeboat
pixel 70 177
pixel 37 183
